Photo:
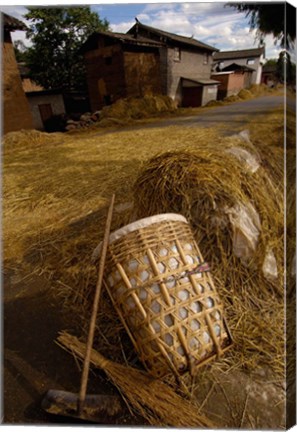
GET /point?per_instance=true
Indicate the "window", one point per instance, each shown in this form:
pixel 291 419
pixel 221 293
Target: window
pixel 250 61
pixel 205 58
pixel 177 54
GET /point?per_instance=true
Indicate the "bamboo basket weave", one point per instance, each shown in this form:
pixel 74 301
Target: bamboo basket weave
pixel 165 296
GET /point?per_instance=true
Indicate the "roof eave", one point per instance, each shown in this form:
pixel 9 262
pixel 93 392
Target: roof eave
pixel 12 24
pixel 174 37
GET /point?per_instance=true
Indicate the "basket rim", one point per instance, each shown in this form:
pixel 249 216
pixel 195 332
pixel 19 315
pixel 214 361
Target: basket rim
pixel 145 222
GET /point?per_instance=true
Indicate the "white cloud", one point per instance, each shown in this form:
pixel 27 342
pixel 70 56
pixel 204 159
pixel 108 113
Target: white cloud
pixel 210 22
pixel 122 27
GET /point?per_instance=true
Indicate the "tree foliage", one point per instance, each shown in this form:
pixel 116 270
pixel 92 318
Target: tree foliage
pixel 278 19
pixel 285 69
pixel 20 50
pixel 56 34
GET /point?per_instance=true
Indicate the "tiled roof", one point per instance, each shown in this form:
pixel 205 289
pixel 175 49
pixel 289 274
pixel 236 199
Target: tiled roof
pixel 227 55
pixel 10 23
pixel 235 66
pixel 124 38
pixel 172 37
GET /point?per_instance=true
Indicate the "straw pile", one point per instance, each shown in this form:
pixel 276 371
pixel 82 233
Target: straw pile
pixel 232 98
pixel 27 138
pixel 136 108
pixel 245 94
pixel 54 213
pixel 202 184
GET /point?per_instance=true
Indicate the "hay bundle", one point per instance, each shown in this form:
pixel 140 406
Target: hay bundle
pixel 202 185
pixel 245 94
pixel 141 107
pixel 232 98
pixel 28 138
pixel 258 89
pixel 155 401
pixel 214 103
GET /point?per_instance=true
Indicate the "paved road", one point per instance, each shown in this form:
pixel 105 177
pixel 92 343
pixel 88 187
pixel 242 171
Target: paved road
pixel 230 117
pixel 234 115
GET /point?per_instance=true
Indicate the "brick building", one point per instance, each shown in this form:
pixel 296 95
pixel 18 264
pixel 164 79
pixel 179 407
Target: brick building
pixel 16 110
pixel 233 78
pixel 148 60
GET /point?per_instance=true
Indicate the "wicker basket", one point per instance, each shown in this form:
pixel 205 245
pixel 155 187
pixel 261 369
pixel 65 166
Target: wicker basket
pixel 164 295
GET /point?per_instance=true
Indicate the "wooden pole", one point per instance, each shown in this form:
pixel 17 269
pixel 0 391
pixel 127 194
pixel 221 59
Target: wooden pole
pixel 86 366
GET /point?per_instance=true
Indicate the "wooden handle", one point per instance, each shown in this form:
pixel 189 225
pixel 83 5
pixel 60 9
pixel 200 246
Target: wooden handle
pixel 86 366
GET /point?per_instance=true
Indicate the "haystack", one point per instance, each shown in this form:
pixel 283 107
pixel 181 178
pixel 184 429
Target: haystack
pixel 232 98
pixel 219 193
pixel 28 138
pixel 138 107
pixel 245 94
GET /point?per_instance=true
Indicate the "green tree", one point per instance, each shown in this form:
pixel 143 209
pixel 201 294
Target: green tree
pixel 278 19
pixel 20 50
pixel 56 34
pixel 271 62
pixel 284 67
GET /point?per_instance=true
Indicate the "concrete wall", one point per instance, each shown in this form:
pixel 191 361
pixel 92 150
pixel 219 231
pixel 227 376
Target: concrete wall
pixel 191 65
pixel 56 102
pixel 16 111
pixel 210 92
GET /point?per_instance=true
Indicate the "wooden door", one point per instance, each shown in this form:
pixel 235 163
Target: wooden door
pixel 192 96
pixel 45 111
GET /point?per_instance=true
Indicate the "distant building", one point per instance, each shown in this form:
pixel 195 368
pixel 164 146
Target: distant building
pixel 44 104
pixel 233 78
pixel 269 75
pixel 148 60
pixel 186 65
pixel 16 110
pixel 252 58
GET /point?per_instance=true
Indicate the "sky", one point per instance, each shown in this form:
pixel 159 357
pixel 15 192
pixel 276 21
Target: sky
pixel 210 22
